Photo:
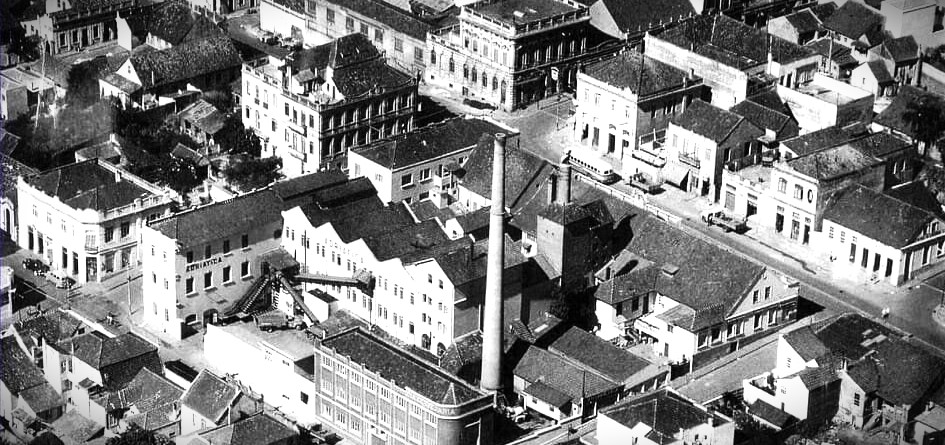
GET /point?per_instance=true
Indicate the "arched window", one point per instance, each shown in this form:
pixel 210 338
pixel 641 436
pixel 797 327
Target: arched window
pixel 495 83
pixel 433 57
pixel 452 65
pixel 502 91
pixel 485 80
pixel 425 342
pixel 474 75
pixel 465 71
pixel 440 349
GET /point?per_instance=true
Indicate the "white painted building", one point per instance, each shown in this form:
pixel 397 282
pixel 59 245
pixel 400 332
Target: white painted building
pixel 662 417
pixel 85 219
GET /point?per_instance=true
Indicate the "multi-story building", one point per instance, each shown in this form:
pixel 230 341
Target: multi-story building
pixel 733 59
pixel 22 90
pixel 511 53
pixel 310 108
pixel 824 102
pixel 71 25
pixel 210 402
pixel 624 104
pixel 25 396
pixel 85 218
pixel 373 391
pixel 419 165
pixel 664 299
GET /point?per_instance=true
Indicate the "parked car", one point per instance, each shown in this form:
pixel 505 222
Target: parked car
pixel 35 266
pixel 643 182
pixel 719 217
pixel 60 279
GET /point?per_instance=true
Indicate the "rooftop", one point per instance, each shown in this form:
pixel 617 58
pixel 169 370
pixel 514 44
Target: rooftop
pixel 877 215
pixel 731 42
pixel 804 21
pixel 831 90
pixel 257 429
pixel 833 163
pixel 783 125
pixel 186 61
pixel 147 391
pixel 383 12
pixel 895 116
pixel 645 14
pixel 805 343
pixel 428 143
pixel 854 20
pixel 521 169
pixel 403 369
pixel 201 225
pixel 640 74
pixel 539 365
pixel 521 11
pixel 665 411
pixel 598 354
pixel 716 124
pixel 204 116
pixel 89 185
pixel 172 22
pixel 210 396
pixel 900 50
pixel 18 372
pixel 818 140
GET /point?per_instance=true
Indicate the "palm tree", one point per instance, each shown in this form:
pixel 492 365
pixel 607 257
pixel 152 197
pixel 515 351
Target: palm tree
pixel 926 117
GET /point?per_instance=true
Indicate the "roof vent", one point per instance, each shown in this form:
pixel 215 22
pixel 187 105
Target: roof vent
pixel 518 14
pixel 669 269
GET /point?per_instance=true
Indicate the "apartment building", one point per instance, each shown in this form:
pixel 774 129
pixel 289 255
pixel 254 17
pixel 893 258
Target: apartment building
pixel 85 219
pixel 312 107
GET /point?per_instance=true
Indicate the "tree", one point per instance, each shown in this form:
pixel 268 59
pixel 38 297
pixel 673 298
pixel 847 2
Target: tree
pixel 248 173
pixel 926 116
pixel 221 99
pixel 135 435
pixel 27 47
pixel 83 83
pixel 573 307
pixel 236 139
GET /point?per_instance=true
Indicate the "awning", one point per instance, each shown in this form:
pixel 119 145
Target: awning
pixel 675 174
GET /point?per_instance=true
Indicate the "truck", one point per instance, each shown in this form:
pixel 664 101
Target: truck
pixel 643 182
pixel 719 217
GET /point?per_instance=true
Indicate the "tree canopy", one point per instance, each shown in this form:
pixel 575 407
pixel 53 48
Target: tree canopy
pixel 248 173
pixel 236 139
pixel 135 435
pixel 926 116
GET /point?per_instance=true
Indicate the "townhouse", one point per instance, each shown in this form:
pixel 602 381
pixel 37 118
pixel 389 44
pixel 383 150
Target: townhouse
pixel 210 402
pixel 624 104
pixel 374 391
pixel 203 123
pixel 25 396
pixel 71 25
pixel 512 59
pixel 311 108
pixel 86 219
pixel 733 59
pixel 149 400
pixel 690 300
pixel 419 165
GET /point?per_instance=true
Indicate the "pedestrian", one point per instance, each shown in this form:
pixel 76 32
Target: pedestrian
pixel 886 314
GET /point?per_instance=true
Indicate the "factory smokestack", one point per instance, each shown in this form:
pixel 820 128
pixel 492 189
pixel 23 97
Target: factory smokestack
pixel 564 181
pixel 492 310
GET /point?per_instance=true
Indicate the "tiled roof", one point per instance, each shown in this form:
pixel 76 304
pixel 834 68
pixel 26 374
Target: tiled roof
pixel 547 394
pixel 804 21
pixel 640 74
pixel 818 140
pixel 521 169
pixel 294 5
pixel 839 54
pixel 42 397
pixel 100 352
pixel 709 280
pixel 833 162
pixel 210 396
pixel 894 116
pixel 201 225
pixel 851 335
pixel 406 370
pixel 186 61
pixel 521 11
pixel 539 365
pixel 409 243
pixel 357 66
pixel 805 343
pixel 427 143
pixel 665 411
pixel 348 220
pixel 90 4
pixel 716 124
pixel 881 145
pixel 770 414
pixel 902 49
pixel 146 391
pixel 731 42
pixel 289 189
pixel 876 215
pixel 8 142
pixel 577 218
pixel 899 372
pixel 880 73
pixel 818 377
pixel 824 10
pixel 51 328
pixel 646 14
pixel 258 429
pixel 765 118
pixel 88 185
pixel 18 372
pixel 854 20
pixel 598 354
pixel 462 266
pixel 184 152
pixel 173 22
pixel 383 12
pixel 204 116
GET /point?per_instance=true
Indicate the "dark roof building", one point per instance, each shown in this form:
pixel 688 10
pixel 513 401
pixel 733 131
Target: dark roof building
pixel 190 60
pixel 210 397
pixel 816 141
pixel 90 185
pixel 780 124
pixel 833 163
pixel 426 143
pixel 558 376
pixel 857 23
pixel 170 24
pixel 895 116
pixel 621 21
pixel 118 359
pixel 716 124
pixel 878 216
pixel 258 429
pixel 642 75
pixel 523 171
pixel 661 417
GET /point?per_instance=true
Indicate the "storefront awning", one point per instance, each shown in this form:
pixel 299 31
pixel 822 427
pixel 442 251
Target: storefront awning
pixel 675 174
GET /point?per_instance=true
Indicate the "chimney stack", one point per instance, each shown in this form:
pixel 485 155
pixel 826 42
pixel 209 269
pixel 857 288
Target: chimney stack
pixel 492 310
pixel 564 181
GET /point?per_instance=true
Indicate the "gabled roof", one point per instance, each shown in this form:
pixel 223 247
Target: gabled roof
pixel 854 20
pixel 805 343
pixel 383 12
pixel 521 169
pixel 186 61
pixel 770 414
pixel 42 397
pixel 665 411
pixel 172 22
pixel 210 396
pixel 880 73
pixel 716 124
pixel 839 54
pixel 642 15
pixel 818 140
pixel 18 372
pixel 204 116
pixel 598 354
pixel 406 370
pixel 100 352
pixel 877 215
pixel 731 42
pixel 427 143
pixel 900 50
pixel 200 225
pixel 51 328
pixel 824 10
pixel 88 185
pixel 258 429
pixel 804 21
pixel 465 262
pixel 833 163
pixel 539 365
pixel 299 186
pixel 894 116
pixel 899 372
pixel 147 391
pixel 765 118
pixel 638 73
pixel 547 394
pixel 881 145
pixel 709 280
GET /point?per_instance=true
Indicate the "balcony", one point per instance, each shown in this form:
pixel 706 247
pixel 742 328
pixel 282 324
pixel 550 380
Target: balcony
pixel 689 159
pixel 765 383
